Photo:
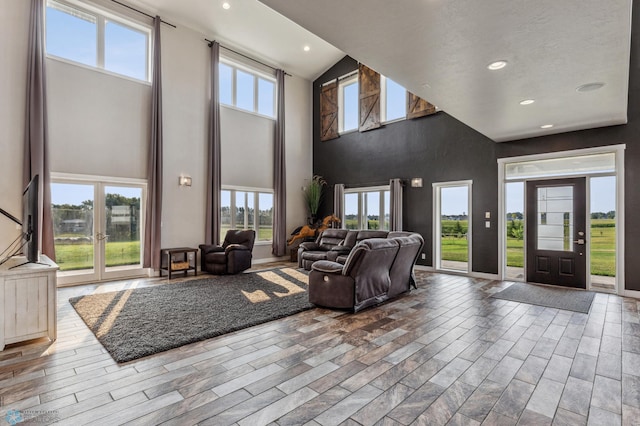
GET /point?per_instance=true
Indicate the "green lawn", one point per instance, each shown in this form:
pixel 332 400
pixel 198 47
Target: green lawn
pixel 603 251
pixel 72 257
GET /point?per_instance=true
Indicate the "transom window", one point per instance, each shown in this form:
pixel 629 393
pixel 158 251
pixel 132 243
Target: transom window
pixel 367 208
pixel 247 90
pixel 247 209
pixel 95 38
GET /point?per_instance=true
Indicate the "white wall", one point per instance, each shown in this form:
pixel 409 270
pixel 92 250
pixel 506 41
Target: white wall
pixel 14 18
pixel 99 126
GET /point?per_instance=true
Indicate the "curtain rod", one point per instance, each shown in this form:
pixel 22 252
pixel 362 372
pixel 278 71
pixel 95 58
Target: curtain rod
pixel 139 11
pixel 245 56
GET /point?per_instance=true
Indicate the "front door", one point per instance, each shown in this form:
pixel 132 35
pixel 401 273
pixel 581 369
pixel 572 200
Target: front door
pixel 556 226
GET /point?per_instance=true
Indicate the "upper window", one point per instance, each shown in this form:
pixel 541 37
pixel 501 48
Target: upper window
pixel 394 97
pixel 247 90
pixel 348 104
pixel 97 39
pixel 367 208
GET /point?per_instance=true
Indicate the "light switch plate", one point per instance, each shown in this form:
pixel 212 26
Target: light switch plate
pixel 487 224
pixel 487 215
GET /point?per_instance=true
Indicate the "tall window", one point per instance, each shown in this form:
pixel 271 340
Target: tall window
pixel 394 100
pixel 247 90
pixel 98 39
pixel 241 209
pixel 348 104
pixel 367 208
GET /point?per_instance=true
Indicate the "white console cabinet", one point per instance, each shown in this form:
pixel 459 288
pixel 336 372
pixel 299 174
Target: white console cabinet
pixel 28 299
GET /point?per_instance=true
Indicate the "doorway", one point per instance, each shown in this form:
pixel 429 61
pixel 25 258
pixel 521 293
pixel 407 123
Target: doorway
pixel 452 226
pixel 98 228
pixel 600 201
pixel 556 232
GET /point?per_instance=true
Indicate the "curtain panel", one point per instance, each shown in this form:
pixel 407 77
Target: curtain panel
pixel 338 202
pixel 153 223
pixel 36 142
pixel 395 219
pixel 279 246
pixel 214 174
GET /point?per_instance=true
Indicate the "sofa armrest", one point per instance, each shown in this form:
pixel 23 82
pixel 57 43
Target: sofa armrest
pixel 210 248
pixel 341 250
pixel 236 247
pixel 327 267
pixel 309 245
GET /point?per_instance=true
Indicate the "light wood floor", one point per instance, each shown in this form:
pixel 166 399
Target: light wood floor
pixel 443 354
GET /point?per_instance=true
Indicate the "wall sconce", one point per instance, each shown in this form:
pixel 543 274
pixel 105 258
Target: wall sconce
pixel 184 180
pixel 416 182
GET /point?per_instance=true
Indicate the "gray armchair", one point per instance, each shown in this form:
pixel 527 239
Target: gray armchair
pixel 232 257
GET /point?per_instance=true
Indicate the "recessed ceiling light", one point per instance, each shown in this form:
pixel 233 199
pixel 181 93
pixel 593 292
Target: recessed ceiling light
pixel 546 126
pixel 527 102
pixel 497 65
pixel 306 48
pixel 226 5
pixel 589 87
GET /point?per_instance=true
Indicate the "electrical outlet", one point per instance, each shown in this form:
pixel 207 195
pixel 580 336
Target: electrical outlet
pixel 424 256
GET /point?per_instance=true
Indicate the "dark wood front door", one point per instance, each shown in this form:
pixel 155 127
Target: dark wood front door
pixel 556 232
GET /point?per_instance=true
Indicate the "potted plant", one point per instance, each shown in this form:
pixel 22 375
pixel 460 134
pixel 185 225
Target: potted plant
pixel 313 195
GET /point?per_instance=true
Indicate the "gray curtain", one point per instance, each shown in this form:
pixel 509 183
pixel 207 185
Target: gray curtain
pixel 395 219
pixel 214 176
pixel 279 174
pixel 152 233
pixel 36 142
pixel 338 201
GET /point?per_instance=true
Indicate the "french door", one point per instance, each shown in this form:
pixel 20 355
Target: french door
pixel 98 228
pixel 556 232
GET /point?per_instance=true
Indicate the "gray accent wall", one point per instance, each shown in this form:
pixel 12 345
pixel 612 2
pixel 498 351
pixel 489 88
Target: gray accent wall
pixel 439 148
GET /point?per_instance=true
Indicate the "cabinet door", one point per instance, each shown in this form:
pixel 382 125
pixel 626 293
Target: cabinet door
pixel 26 307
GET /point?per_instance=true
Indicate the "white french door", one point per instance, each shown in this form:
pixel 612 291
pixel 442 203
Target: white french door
pixel 98 227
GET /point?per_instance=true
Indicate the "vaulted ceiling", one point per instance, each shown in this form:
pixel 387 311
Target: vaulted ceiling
pixel 571 57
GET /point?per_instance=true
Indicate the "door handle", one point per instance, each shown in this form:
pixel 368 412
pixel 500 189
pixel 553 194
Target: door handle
pixel 100 236
pixel 580 241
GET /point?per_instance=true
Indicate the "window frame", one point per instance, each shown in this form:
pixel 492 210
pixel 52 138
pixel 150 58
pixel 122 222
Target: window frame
pixel 103 16
pixel 256 206
pixel 362 205
pixel 344 82
pixel 383 101
pixel 257 75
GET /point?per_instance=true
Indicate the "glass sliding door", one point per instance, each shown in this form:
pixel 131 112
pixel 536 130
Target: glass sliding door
pixel 452 223
pixel 98 229
pixel 73 231
pixel 120 231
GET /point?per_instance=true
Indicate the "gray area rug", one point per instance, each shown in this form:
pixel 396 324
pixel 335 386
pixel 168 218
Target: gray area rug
pixel 135 323
pixel 561 298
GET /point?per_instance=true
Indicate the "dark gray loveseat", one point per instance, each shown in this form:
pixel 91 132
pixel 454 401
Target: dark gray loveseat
pixel 376 270
pixel 334 245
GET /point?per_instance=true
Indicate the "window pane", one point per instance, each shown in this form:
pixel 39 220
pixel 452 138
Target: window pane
pixel 387 210
pixel 266 91
pixel 265 221
pixel 250 216
pixel 603 232
pixel 125 50
pixel 351 211
pixel 244 90
pixel 514 200
pixel 225 213
pixel 350 115
pixel 396 101
pixel 71 34
pixel 240 210
pixel 226 84
pixel 122 205
pixel 372 210
pixel 72 210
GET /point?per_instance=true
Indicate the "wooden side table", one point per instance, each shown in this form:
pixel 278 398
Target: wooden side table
pixel 179 259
